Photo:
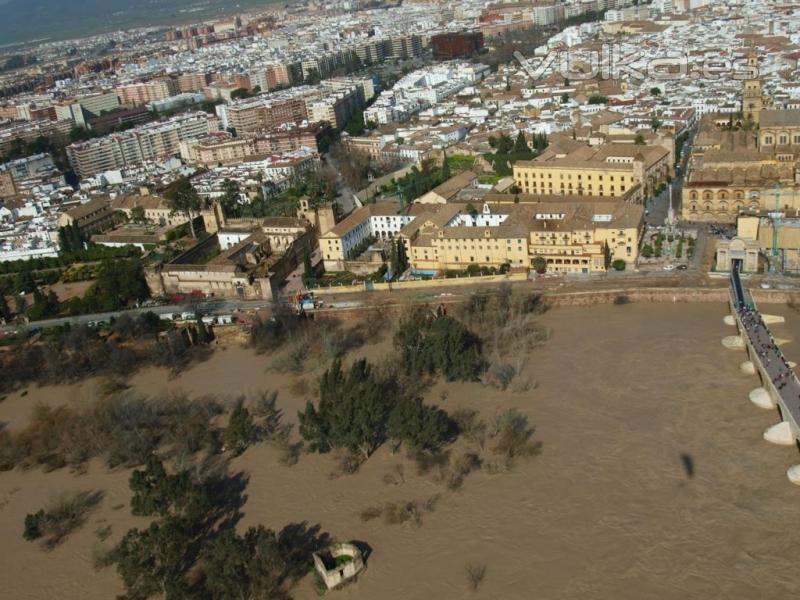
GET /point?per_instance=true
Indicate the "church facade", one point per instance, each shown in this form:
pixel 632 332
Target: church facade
pixel 751 165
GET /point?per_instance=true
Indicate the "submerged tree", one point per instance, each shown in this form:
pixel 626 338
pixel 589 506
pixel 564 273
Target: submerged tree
pixel 438 344
pixel 353 409
pixel 245 567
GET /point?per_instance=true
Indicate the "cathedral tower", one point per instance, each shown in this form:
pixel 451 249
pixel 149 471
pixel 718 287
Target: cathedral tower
pixel 752 99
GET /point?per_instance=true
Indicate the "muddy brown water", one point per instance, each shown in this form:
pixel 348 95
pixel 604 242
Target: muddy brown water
pixel 653 481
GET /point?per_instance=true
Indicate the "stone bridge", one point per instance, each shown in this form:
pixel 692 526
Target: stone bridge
pixel 780 387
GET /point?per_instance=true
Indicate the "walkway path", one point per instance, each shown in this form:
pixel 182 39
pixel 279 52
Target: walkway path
pixel 768 353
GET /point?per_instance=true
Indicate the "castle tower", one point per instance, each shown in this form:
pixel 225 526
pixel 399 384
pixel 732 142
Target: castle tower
pixel 214 218
pixel 752 98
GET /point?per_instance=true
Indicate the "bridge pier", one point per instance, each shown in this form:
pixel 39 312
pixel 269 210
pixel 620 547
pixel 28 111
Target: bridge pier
pixel 747 367
pixel 762 398
pixel 793 473
pixel 772 319
pixel 780 434
pixel 733 342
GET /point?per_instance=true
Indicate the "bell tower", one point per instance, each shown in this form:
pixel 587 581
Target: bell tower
pixel 752 99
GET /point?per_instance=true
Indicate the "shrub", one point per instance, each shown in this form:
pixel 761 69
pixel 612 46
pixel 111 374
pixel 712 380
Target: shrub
pixel 500 375
pixel 157 493
pixel 349 462
pixel 463 466
pixel 397 513
pixel 539 264
pixel 512 436
pixel 426 461
pixel 269 334
pixel 336 342
pixel 368 514
pixel 475 575
pixel 126 430
pixel 33 525
pixel 470 426
pixel 293 361
pixel 241 430
pixel 60 517
pixel 618 265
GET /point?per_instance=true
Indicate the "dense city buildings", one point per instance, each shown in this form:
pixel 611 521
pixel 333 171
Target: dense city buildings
pixel 276 94
pixel 143 143
pixel 363 256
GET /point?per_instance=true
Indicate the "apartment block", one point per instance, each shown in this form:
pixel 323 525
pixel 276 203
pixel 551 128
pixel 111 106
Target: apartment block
pixel 333 101
pixel 191 82
pixel 146 142
pixel 264 112
pixel 8 188
pixel 139 94
pixel 217 149
pixel 406 46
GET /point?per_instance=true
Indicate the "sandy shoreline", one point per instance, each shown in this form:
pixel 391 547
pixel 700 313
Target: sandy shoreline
pixel 606 511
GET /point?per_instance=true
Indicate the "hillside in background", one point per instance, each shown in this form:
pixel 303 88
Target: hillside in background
pixel 28 20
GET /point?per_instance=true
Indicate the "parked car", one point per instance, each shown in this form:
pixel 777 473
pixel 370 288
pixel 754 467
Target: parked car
pixel 669 267
pixel 682 267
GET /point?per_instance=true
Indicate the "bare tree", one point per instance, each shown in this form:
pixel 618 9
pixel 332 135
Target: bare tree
pixel 475 575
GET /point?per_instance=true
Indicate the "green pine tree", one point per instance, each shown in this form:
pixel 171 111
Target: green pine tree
pixel 5 312
pixel 309 276
pixel 520 145
pixel 445 166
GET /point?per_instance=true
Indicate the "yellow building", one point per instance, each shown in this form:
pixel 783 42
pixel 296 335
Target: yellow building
pixel 576 242
pixel 344 240
pixel 156 209
pixel 570 236
pixel 613 170
pixel 447 237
